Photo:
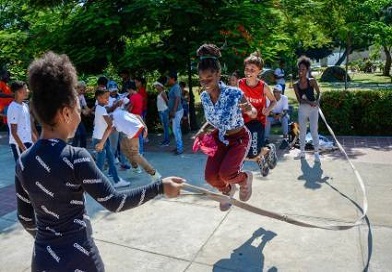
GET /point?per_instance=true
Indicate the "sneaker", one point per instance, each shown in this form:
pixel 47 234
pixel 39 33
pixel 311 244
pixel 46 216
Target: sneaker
pixel 226 205
pixel 246 187
pixel 284 144
pixel 272 158
pixel 125 167
pixel 156 176
pixel 263 165
pixel 178 152
pixel 164 143
pixel 300 155
pixel 116 161
pixel 121 183
pixel 316 157
pixel 137 170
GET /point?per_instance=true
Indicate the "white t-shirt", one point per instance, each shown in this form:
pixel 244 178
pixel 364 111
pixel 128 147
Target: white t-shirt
pixel 111 101
pixel 126 122
pixel 281 105
pixel 19 114
pixel 100 124
pixel 279 72
pixel 161 103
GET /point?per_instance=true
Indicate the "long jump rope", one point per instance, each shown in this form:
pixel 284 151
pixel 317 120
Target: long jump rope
pixel 309 222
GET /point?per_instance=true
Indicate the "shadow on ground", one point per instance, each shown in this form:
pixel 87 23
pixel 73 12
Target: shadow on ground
pixel 249 255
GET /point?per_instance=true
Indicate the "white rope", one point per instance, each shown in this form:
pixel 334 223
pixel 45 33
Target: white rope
pixel 283 217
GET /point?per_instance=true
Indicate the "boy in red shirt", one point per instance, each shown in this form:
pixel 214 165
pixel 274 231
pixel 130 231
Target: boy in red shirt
pixel 6 95
pixel 257 92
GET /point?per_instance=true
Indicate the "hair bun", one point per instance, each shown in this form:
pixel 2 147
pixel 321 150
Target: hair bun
pixel 256 54
pixel 209 50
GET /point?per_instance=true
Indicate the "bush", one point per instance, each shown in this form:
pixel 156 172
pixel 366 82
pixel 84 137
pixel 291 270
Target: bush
pixel 358 112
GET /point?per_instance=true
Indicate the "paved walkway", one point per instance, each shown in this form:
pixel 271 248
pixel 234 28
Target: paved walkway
pixel 190 234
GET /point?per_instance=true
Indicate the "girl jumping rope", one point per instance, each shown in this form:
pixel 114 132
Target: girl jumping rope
pixel 223 108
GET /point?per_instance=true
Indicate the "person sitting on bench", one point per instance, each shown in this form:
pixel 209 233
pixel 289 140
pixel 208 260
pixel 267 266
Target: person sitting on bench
pixel 279 115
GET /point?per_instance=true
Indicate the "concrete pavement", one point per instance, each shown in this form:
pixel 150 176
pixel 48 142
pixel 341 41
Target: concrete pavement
pixel 190 234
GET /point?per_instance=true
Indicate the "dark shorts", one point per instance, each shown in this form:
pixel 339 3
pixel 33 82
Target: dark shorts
pixel 256 129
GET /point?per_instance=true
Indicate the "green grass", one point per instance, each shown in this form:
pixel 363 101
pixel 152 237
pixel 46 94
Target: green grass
pixel 365 78
pixel 359 81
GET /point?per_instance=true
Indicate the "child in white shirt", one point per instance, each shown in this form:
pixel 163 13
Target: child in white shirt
pixel 22 133
pixel 132 125
pixel 101 132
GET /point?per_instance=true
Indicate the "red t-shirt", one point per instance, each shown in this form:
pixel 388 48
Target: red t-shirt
pixel 256 97
pixel 4 102
pixel 143 92
pixel 136 101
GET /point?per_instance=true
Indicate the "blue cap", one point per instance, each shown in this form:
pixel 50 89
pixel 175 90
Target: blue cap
pixel 112 86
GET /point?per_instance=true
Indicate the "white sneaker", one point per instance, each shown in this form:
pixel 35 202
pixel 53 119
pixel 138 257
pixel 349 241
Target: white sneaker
pixel 300 155
pixel 156 176
pixel 137 170
pixel 316 157
pixel 121 183
pixel 116 161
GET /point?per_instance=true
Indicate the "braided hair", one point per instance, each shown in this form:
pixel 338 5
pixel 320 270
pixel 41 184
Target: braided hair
pixel 209 54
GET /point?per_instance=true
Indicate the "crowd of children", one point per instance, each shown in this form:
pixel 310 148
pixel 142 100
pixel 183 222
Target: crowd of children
pixel 51 171
pixel 120 131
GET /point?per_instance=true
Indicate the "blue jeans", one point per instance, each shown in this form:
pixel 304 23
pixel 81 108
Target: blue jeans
pixel 80 138
pixel 115 139
pixel 164 116
pixel 100 160
pixel 272 121
pixel 176 127
pixel 17 152
pixel 141 143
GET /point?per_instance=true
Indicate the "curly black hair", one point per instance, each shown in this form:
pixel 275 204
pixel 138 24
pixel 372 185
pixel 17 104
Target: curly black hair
pixel 305 61
pixel 52 80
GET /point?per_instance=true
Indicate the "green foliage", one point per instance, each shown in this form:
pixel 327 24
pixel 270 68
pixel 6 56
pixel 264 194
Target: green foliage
pixel 358 112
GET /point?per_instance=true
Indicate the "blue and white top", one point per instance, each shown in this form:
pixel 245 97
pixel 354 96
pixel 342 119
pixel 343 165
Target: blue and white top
pixel 225 114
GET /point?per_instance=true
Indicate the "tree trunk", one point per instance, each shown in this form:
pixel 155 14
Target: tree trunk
pixel 192 112
pixel 388 61
pixel 348 49
pixel 342 58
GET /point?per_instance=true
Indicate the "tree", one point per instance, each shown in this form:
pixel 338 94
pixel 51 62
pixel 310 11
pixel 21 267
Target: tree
pixel 381 26
pixel 15 55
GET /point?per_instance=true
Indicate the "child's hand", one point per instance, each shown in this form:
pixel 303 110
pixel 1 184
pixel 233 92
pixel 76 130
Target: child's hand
pixel 172 186
pixel 145 133
pixel 99 147
pixel 245 107
pixel 200 133
pixel 118 103
pixel 265 111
